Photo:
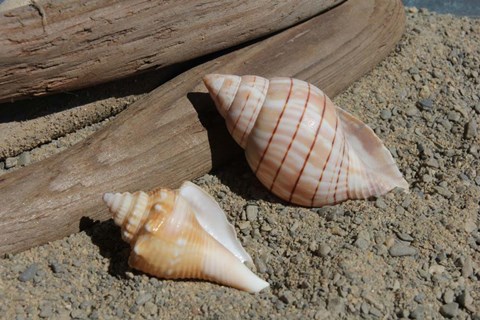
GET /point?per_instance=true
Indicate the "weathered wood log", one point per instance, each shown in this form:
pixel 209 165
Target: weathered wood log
pixel 53 46
pixel 174 133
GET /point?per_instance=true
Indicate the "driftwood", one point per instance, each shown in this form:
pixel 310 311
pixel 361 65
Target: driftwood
pixel 53 46
pixel 174 133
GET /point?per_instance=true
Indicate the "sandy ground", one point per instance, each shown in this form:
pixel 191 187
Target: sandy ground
pixel 410 256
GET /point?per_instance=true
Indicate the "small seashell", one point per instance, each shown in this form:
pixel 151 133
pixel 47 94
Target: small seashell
pixel 301 146
pixel 180 234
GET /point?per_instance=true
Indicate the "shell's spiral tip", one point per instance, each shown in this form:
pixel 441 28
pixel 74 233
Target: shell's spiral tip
pixel 213 82
pixel 222 88
pixel 108 198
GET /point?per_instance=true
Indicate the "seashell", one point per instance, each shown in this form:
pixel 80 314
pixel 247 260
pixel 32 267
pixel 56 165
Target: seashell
pixel 301 146
pixel 181 234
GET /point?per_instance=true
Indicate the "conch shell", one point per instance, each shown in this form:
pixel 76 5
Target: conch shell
pixel 180 234
pixel 301 146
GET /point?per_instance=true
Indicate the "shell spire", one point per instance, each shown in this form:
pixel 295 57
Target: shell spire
pixel 238 100
pixel 181 234
pixel 301 146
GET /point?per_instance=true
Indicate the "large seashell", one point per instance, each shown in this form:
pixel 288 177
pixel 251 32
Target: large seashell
pixel 301 146
pixel 180 234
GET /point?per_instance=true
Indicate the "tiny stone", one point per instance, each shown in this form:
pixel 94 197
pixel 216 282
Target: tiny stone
pixel 405 314
pixel 261 266
pixel 399 210
pixel 467 268
pixel 78 314
pixel 252 212
pixel 412 111
pixel 385 114
pixel 362 244
pixel 324 250
pixel 389 242
pixel 425 104
pixel 418 313
pixel 436 269
pixel 77 262
pixel 432 162
pixel 438 74
pixel 396 285
pixel 129 275
pixel 453 116
pixel 119 312
pixel 471 130
pixel 399 250
pixel 56 267
pixel 244 225
pixel 470 225
pixel 85 305
pixel 29 273
pixel 424 92
pixel 46 311
pixel 337 231
pixel 380 203
pixel 336 305
pixel 419 298
pixel 449 310
pixel 448 296
pixel 142 298
pixel 24 159
pixel 151 308
pixel 413 70
pixel 287 297
pixel 465 299
pixel 365 308
pixel 406 203
pixel 10 162
pixel 375 312
pixel 477 108
pixel 443 191
pixel 413 10
pixel 405 236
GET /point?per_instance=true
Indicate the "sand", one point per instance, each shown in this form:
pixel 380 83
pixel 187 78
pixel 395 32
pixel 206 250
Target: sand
pixel 409 255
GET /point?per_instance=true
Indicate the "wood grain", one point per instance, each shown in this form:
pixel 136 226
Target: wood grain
pixel 53 46
pixel 174 133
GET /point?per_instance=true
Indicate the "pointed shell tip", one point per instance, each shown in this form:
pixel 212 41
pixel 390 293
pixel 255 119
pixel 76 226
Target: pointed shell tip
pixel 107 197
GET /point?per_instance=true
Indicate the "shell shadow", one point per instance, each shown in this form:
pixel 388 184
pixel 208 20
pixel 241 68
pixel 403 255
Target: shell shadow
pixel 228 159
pixel 222 146
pixel 106 236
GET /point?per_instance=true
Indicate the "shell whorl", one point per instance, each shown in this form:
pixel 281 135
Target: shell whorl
pixel 130 211
pixel 238 100
pixel 306 150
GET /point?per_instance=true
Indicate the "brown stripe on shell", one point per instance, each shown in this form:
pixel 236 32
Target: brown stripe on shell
pixel 243 108
pixel 335 172
pixel 326 162
pixel 292 139
pixel 310 150
pixel 244 136
pixel 339 171
pixel 276 127
pixel 348 171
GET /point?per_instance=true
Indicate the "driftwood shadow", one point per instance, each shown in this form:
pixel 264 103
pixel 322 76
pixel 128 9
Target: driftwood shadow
pixel 36 107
